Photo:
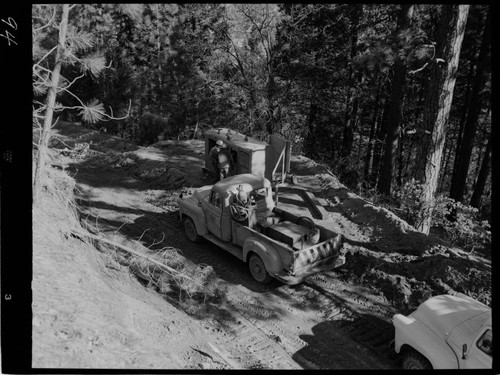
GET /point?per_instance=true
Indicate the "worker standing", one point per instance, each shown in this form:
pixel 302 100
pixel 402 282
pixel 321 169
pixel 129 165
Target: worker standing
pixel 224 159
pixel 220 159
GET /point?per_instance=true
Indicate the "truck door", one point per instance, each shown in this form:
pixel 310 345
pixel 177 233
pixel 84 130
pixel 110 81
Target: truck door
pixel 479 353
pixel 213 213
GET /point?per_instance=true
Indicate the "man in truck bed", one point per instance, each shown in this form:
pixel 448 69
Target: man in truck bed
pixel 275 243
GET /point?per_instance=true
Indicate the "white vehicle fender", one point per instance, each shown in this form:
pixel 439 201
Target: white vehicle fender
pixel 266 252
pixel 190 208
pixel 411 332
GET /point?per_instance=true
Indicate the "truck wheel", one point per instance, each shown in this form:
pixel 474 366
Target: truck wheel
pixel 413 360
pixel 258 269
pixel 190 230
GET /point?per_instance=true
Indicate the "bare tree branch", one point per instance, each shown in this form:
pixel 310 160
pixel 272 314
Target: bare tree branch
pixel 74 96
pixel 46 25
pixel 47 54
pixel 427 63
pixel 80 233
pixel 72 82
pixel 121 118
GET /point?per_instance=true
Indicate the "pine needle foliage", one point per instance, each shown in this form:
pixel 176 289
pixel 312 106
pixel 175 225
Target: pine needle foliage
pixel 92 112
pixel 94 64
pixel 78 40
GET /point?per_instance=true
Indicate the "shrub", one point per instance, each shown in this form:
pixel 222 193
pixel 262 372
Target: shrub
pixel 461 223
pixel 150 127
pixel 407 198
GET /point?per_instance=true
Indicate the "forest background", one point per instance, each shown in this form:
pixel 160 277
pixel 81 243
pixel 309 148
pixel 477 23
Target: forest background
pixel 393 99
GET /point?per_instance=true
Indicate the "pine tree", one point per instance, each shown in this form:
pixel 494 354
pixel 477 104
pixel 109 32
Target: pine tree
pixel 459 178
pixel 438 104
pixel 396 108
pixel 69 44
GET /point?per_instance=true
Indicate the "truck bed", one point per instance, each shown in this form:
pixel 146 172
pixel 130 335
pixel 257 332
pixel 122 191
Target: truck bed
pixel 285 237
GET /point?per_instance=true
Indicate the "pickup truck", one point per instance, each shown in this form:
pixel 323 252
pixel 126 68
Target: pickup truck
pixel 240 215
pixel 445 332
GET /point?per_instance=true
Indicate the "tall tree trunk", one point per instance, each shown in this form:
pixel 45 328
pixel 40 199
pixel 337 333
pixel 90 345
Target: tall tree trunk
pixel 270 92
pixel 51 100
pixel 444 172
pixel 270 102
pixel 400 161
pixel 379 142
pixel 459 178
pixel 350 124
pixel 369 151
pixel 481 146
pixel 395 109
pixel 413 161
pixel 439 98
pixel 482 177
pixel 333 154
pixel 352 101
pixel 311 127
pixel 373 128
pixel 465 110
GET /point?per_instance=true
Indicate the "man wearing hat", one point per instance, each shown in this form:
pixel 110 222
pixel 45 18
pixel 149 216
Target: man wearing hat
pixel 213 155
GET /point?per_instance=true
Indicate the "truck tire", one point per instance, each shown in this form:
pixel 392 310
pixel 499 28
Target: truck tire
pixel 413 360
pixel 258 269
pixel 190 230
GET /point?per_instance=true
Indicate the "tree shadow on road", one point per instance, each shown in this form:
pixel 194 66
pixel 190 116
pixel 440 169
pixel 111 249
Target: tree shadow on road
pixel 348 345
pixel 146 168
pixel 159 230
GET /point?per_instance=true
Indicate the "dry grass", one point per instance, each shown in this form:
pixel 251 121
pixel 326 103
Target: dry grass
pixel 55 218
pixel 55 214
pixel 191 285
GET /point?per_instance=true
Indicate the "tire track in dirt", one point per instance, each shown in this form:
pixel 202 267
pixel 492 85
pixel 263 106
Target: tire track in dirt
pixel 260 343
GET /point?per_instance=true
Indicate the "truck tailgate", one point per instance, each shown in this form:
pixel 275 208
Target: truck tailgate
pixel 318 257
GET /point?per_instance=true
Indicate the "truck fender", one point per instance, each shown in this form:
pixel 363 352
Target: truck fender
pixel 411 333
pixel 196 214
pixel 266 252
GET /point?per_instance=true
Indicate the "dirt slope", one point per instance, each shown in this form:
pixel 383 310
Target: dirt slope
pixel 94 313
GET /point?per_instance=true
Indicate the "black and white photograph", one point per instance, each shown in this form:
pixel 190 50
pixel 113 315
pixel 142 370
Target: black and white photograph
pixel 232 186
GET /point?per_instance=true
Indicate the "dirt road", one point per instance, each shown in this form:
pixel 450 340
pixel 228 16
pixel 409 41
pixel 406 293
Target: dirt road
pixel 320 324
pixel 92 309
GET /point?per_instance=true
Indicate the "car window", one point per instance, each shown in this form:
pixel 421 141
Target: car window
pixel 215 199
pixel 485 342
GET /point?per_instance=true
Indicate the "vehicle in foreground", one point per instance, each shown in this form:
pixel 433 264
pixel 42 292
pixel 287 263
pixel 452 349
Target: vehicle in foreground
pixel 445 332
pixel 240 215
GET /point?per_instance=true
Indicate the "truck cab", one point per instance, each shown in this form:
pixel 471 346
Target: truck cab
pixel 217 205
pixel 445 332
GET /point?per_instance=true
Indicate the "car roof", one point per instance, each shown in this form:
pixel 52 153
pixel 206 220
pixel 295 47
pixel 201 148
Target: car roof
pixel 249 182
pixel 445 312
